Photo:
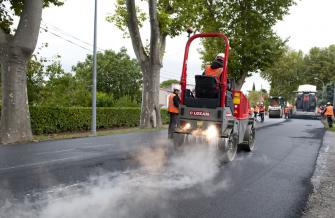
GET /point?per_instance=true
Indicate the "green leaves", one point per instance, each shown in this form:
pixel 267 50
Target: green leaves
pixel 174 16
pixel 46 120
pixel 286 74
pixel 294 68
pixel 117 74
pixel 168 83
pixel 248 24
pixel 12 8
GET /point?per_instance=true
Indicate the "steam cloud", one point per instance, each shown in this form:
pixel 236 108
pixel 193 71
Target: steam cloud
pixel 134 193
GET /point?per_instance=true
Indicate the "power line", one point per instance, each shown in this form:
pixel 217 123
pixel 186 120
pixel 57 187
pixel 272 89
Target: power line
pixel 57 29
pixel 59 32
pixel 67 40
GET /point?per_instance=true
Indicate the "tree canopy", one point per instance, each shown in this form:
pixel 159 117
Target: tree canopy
pixel 119 75
pixel 248 24
pixel 16 7
pixel 50 85
pixel 294 68
pixel 168 83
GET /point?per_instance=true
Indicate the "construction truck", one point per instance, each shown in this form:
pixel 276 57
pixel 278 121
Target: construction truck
pixel 215 112
pixel 276 107
pixel 305 102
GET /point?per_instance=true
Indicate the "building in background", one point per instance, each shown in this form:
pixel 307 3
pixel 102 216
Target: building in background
pixel 165 92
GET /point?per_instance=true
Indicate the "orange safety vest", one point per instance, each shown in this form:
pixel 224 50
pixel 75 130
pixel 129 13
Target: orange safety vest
pixel 257 109
pixel 329 111
pixel 171 107
pixel 261 108
pixel 213 72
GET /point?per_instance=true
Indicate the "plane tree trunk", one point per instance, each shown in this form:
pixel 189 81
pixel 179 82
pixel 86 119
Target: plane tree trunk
pixel 150 62
pixel 15 52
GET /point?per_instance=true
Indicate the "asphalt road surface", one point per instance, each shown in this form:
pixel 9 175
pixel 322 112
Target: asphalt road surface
pixel 137 175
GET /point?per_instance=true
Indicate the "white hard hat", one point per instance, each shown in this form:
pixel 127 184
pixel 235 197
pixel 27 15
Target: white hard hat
pixel 220 57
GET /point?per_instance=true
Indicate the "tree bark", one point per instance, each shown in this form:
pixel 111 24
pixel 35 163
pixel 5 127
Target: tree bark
pixel 150 63
pixel 239 83
pixel 150 110
pixel 14 53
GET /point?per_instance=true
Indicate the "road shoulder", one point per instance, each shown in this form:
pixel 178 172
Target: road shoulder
pixel 321 202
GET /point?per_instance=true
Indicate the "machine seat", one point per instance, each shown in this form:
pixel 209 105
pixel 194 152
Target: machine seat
pixel 206 87
pixel 207 94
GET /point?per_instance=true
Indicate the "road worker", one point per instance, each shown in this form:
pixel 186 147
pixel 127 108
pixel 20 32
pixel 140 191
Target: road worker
pixel 329 114
pixel 262 111
pixel 252 111
pixel 216 68
pixel 256 111
pixel 173 109
pixel 286 112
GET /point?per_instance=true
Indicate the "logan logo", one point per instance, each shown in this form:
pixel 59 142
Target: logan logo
pixel 199 113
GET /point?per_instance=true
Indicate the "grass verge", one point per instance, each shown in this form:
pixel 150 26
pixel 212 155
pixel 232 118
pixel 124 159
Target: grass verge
pixel 325 124
pixel 105 132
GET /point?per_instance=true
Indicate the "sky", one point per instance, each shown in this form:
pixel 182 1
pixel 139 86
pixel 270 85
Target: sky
pixel 70 34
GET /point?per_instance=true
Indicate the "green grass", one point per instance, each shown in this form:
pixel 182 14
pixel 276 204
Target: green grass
pixel 104 132
pixel 325 124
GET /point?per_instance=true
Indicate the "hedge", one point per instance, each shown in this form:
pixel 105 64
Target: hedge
pixel 45 120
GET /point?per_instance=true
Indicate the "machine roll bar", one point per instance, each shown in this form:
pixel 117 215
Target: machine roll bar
pixel 184 69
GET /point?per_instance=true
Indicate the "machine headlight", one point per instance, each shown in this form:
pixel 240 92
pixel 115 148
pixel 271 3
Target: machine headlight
pixel 187 126
pixel 211 132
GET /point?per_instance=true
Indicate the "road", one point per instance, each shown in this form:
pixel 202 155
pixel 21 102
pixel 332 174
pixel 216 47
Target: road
pixel 136 175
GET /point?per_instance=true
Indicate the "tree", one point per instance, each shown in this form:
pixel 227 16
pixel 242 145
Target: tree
pixel 286 74
pixel 62 89
pixel 294 68
pixel 329 93
pixel 320 63
pixel 166 18
pixel 15 51
pixel 119 75
pixel 253 87
pixel 248 23
pixel 168 83
pixel 257 96
pixel 35 79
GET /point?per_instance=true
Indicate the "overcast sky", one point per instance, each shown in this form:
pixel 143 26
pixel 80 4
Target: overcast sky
pixel 309 24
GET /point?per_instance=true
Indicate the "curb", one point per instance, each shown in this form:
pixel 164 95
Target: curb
pixel 321 202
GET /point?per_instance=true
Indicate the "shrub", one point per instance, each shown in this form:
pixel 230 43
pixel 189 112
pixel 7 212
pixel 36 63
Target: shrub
pixel 46 120
pixel 125 101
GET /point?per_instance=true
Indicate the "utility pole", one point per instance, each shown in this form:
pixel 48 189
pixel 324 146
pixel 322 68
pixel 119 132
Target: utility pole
pixel 94 76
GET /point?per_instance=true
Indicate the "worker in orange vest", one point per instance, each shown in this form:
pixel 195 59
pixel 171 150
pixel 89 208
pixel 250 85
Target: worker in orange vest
pixel 216 68
pixel 252 111
pixel 262 111
pixel 173 109
pixel 329 113
pixel 256 111
pixel 286 112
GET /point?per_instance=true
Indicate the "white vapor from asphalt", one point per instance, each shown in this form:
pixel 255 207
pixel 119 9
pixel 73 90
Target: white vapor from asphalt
pixel 143 192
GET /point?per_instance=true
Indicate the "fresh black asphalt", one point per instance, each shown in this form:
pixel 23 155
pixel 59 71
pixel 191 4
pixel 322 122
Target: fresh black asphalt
pixel 272 181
